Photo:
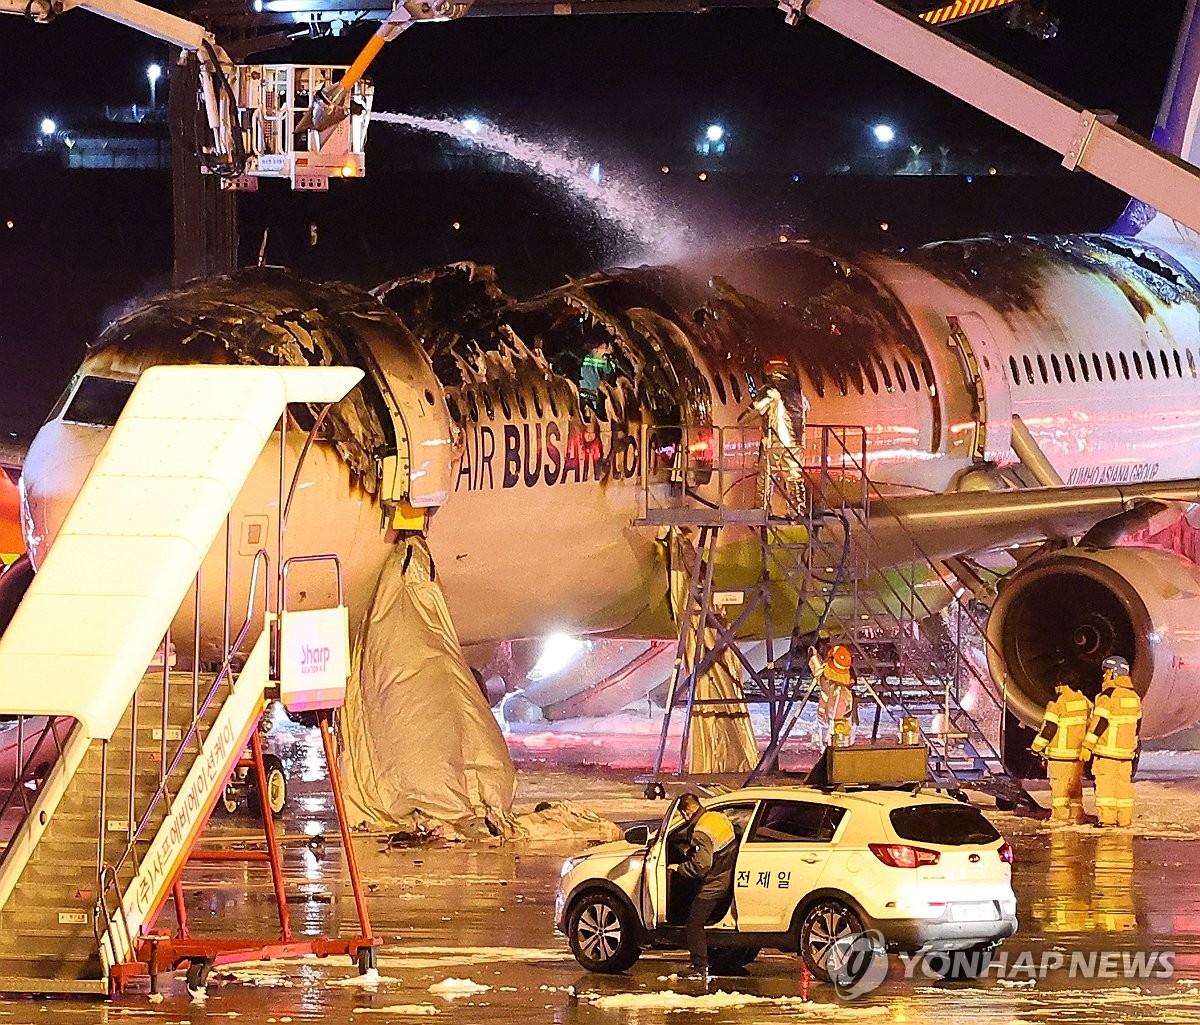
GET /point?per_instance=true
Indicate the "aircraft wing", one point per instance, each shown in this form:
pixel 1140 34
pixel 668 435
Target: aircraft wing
pixel 964 523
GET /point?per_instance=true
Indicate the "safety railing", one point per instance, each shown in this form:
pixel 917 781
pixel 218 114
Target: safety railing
pixel 906 605
pixel 702 467
pixel 110 878
pixel 36 745
pixel 818 513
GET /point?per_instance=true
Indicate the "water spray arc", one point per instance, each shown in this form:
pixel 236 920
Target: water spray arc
pixel 615 197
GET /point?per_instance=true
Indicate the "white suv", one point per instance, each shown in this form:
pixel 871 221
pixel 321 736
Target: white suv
pixel 816 870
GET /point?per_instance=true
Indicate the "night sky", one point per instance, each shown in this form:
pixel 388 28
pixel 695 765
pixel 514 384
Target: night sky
pixel 637 81
pixel 630 91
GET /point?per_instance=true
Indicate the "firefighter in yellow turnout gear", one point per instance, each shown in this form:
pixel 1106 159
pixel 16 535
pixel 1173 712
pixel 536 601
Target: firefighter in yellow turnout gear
pixel 1112 743
pixel 1060 740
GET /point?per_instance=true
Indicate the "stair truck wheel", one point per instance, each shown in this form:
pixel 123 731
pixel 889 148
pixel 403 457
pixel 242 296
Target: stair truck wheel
pixel 197 974
pixel 276 786
pixel 367 959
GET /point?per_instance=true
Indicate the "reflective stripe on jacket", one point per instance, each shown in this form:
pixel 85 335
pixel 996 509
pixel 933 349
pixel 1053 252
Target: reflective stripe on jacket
pixel 1064 726
pixel 1116 721
pixel 714 847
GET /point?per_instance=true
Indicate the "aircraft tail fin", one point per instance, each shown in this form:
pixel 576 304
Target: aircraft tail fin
pixel 1177 127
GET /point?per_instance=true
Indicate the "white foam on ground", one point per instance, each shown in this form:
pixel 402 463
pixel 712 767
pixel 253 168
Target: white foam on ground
pixel 399 1009
pixel 458 987
pixel 669 1000
pixel 370 979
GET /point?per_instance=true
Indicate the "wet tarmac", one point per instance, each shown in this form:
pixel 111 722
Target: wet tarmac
pixel 481 913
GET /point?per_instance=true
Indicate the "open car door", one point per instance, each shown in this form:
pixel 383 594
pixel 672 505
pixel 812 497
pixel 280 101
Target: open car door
pixel 652 898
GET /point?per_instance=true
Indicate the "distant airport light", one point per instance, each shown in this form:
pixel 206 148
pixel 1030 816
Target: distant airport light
pixel 153 74
pixel 48 126
pixel 665 169
pixel 456 225
pixel 558 651
pixel 714 133
pixel 883 225
pixel 473 125
pixel 702 176
pixel 883 134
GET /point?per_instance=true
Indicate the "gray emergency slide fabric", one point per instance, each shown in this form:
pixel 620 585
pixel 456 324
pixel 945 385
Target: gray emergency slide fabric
pixel 419 738
pixel 722 739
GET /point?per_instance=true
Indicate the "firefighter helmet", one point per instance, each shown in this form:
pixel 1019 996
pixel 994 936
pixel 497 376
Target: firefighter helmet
pixel 1116 665
pixel 837 665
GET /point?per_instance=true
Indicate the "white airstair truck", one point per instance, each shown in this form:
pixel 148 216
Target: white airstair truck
pixel 96 839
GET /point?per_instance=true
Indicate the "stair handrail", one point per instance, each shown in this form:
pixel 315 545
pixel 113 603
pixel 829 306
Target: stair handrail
pixel 914 598
pixel 107 880
pixel 857 464
pixel 879 498
pixel 261 557
pixel 25 764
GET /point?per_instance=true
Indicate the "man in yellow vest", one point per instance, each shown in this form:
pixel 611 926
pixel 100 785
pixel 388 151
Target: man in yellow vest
pixel 1060 741
pixel 1112 743
pixel 710 859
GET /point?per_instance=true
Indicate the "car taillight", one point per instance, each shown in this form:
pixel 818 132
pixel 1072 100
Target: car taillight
pixel 900 855
pixel 1006 853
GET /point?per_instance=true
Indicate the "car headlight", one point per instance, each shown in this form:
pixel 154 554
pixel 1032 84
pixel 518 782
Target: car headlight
pixel 568 866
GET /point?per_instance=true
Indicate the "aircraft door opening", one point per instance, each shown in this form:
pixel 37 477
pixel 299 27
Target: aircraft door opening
pixel 983 373
pixel 418 474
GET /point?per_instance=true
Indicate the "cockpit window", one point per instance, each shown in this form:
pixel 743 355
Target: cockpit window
pixel 98 401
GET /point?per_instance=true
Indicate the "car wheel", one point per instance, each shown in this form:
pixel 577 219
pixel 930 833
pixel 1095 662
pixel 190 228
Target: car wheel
pixel 961 965
pixel 722 959
pixel 831 935
pixel 602 931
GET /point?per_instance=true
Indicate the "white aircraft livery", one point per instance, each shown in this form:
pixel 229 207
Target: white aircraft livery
pixel 1035 398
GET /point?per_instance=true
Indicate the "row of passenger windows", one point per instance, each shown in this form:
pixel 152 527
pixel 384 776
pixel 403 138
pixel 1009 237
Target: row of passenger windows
pixel 1073 368
pixel 873 373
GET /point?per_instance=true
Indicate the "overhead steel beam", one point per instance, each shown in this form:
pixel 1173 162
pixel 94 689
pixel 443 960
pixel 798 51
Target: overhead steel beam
pixel 1087 140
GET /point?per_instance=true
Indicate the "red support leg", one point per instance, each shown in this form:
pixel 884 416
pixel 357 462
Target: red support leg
pixel 269 830
pixel 180 909
pixel 360 901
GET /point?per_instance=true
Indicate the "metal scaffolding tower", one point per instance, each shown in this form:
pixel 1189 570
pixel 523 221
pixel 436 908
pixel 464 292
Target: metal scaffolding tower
pixel 818 572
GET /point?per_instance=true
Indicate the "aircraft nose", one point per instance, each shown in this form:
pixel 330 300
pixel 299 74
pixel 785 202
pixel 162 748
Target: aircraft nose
pixel 58 462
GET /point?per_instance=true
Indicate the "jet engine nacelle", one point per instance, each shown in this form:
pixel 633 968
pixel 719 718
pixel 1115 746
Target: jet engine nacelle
pixel 1074 608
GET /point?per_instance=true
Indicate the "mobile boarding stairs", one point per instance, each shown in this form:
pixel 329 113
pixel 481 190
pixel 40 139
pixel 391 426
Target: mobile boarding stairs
pixel 119 768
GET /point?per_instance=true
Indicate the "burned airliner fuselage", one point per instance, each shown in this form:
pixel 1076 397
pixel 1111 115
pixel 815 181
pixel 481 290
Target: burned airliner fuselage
pixel 515 432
